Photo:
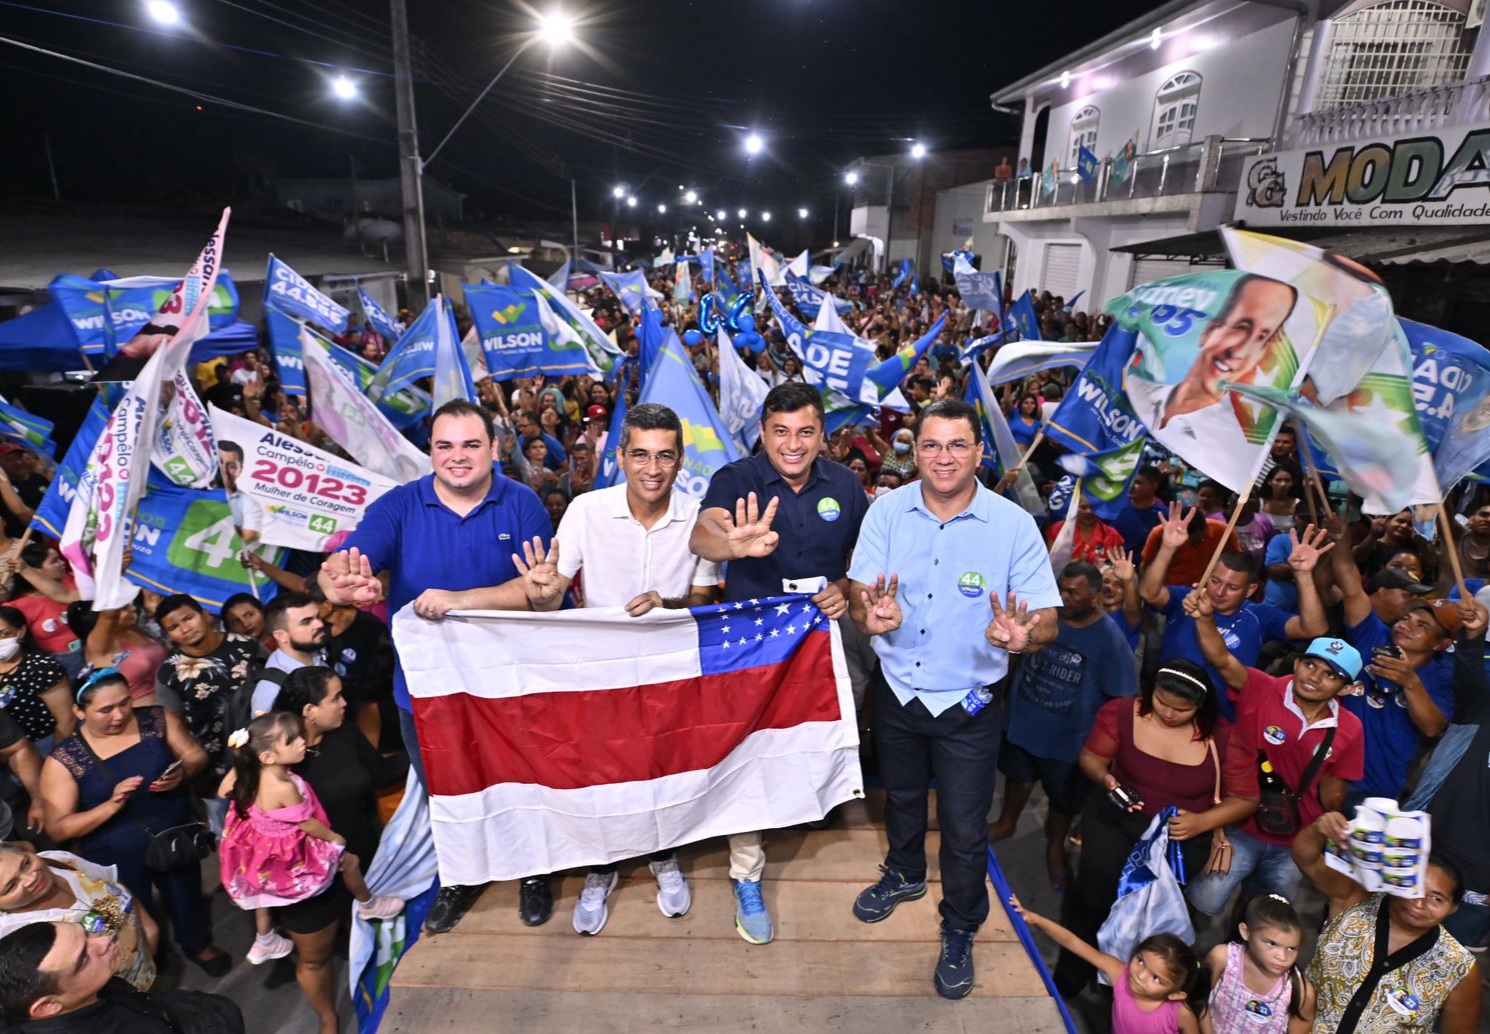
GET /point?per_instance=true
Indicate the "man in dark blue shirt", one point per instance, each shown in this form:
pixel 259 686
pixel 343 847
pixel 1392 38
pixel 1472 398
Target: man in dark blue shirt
pixel 786 514
pixel 447 543
pixel 1142 511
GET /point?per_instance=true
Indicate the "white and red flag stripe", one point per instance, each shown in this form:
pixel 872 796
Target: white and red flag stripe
pixel 581 737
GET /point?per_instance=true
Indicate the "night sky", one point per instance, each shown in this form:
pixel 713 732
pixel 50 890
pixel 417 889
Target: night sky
pixel 655 95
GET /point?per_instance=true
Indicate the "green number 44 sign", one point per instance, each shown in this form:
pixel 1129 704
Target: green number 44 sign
pixel 207 541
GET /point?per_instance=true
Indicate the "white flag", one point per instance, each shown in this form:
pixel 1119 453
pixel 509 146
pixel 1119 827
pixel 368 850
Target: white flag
pixel 353 420
pixel 184 449
pixel 741 395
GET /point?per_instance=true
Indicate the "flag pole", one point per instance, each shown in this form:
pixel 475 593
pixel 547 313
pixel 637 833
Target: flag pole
pixel 1317 483
pixel 1034 444
pixel 1236 512
pixel 1452 548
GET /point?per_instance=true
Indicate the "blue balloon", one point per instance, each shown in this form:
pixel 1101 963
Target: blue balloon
pixel 692 338
pixel 747 323
pixel 751 340
pixel 740 309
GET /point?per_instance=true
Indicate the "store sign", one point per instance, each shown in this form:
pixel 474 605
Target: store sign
pixel 1443 177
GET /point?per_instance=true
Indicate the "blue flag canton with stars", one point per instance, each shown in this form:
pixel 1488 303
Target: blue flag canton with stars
pixel 753 633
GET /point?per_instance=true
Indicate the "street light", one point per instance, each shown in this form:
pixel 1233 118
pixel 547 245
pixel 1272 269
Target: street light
pixel 754 144
pixel 918 150
pixel 344 88
pixel 556 28
pixel 801 213
pixel 721 215
pixel 743 213
pixel 618 192
pixel 765 217
pixel 851 178
pixel 661 209
pixel 631 202
pixel 163 11
pixel 691 197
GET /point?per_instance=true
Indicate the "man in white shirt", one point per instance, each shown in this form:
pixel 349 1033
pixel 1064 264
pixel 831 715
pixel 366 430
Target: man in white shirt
pixel 627 546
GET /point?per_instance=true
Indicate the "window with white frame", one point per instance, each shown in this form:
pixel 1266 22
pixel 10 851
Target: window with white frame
pixel 1084 132
pixel 1175 106
pixel 1386 49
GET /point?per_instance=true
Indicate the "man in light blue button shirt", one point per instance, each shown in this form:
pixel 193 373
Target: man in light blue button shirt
pixel 949 579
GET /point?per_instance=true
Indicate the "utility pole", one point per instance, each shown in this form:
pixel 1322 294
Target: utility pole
pixel 574 215
pixel 410 166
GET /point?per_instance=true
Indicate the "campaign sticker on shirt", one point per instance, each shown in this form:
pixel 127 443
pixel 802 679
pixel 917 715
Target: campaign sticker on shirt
pixel 349 655
pixel 49 625
pixel 1275 735
pixel 971 584
pixel 1403 1002
pixel 1376 700
pixel 828 508
pixel 1231 639
pixel 1259 1012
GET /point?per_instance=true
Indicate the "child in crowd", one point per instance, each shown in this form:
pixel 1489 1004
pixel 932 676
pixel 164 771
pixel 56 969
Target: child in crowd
pixel 276 847
pixel 1257 987
pixel 1160 990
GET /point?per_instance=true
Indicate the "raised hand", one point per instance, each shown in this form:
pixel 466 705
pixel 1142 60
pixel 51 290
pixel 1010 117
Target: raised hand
pixel 352 580
pixel 751 533
pixel 882 608
pixel 540 571
pixel 1176 527
pixel 1013 627
pixel 1198 605
pixel 1306 552
pixel 1122 564
pixel 1475 620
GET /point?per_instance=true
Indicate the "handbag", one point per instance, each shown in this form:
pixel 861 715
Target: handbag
pixel 171 850
pixel 1278 806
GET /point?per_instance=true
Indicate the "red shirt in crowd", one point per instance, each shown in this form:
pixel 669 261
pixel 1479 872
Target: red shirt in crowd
pixel 1092 549
pixel 1158 782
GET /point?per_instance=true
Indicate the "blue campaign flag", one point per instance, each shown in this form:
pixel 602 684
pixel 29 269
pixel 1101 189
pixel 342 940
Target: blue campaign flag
pixel 28 429
pixel 293 295
pixel 1086 164
pixel 915 283
pixel 559 278
pixel 1451 389
pixel 1026 320
pixel 833 361
pixel 452 377
pixel 630 288
pixel 402 408
pixel 888 375
pixel 810 299
pixel 950 260
pixel 1096 422
pixel 707 442
pixel 411 359
pixel 978 346
pixel 1001 452
pixel 608 467
pixel 1071 305
pixel 509 323
pixel 51 514
pixel 743 272
pixel 902 272
pixel 978 290
pixel 378 318
pixel 650 336
pixel 706 264
pixel 284 346
pixel 105 312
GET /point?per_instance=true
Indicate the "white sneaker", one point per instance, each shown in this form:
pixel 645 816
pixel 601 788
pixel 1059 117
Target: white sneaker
pixel 380 906
pixel 272 945
pixel 673 896
pixel 591 911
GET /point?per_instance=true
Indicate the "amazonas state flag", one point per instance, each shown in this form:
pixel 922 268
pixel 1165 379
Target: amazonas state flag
pixel 582 737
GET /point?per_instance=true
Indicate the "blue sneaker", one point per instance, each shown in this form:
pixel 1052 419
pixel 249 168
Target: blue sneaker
pixel 751 917
pixel 877 902
pixel 954 970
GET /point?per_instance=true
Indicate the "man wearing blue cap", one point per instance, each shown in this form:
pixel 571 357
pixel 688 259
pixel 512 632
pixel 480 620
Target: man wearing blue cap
pixel 1293 746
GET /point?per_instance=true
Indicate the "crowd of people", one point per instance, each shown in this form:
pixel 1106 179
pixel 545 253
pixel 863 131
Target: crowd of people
pixel 1181 655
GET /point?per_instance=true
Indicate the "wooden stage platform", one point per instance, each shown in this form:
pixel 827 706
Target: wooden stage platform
pixel 825 971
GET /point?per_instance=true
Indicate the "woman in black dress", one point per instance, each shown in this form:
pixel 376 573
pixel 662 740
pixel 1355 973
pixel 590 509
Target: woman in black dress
pixel 345 772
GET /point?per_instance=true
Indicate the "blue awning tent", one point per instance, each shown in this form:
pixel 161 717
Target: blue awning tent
pixel 42 341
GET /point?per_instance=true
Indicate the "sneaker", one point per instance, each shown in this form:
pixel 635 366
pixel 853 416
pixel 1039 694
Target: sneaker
pixel 451 905
pixel 535 901
pixel 380 906
pixel 673 896
pixel 954 970
pixel 268 947
pixel 751 917
pixel 877 902
pixel 591 911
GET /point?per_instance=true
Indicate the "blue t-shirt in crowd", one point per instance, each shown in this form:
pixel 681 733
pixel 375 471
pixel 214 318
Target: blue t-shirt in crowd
pixel 1024 430
pixel 555 455
pixel 1391 737
pixel 1285 592
pixel 1134 524
pixel 1059 689
pixel 1244 633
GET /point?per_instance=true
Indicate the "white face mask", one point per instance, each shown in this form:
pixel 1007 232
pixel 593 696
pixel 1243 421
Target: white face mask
pixel 902 446
pixel 9 648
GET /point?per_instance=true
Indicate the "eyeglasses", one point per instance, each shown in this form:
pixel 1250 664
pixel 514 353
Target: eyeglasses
pixel 641 457
pixel 97 676
pixel 957 449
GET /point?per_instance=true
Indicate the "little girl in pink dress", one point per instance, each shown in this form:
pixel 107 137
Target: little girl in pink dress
pixel 276 847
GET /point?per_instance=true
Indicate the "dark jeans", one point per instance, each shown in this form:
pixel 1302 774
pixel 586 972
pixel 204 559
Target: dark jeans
pixel 180 894
pixel 960 751
pixel 411 744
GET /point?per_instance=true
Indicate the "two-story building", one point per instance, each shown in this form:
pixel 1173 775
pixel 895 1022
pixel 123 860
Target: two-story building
pixel 1354 124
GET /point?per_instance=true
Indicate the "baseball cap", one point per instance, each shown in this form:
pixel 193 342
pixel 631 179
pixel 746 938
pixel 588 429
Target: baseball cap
pixel 1344 660
pixel 1391 578
pixel 1445 612
pixel 595 413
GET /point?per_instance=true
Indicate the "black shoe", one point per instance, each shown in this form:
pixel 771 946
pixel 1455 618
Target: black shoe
pixel 451 905
pixel 535 901
pixel 954 970
pixel 216 965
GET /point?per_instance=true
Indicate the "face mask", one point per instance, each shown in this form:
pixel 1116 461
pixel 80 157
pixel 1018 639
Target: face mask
pixel 9 648
pixel 902 446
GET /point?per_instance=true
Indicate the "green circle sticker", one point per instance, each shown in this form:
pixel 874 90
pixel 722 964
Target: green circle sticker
pixel 828 508
pixel 971 584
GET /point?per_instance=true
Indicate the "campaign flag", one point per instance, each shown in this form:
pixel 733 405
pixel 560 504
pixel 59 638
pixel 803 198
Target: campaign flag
pixel 902 272
pixel 835 361
pixel 28 429
pixel 183 449
pixel 977 346
pixel 1025 318
pixel 352 420
pixel 51 514
pixel 650 335
pixel 452 376
pixel 1047 181
pixel 828 318
pixel 799 266
pixel 744 272
pixel 378 319
pixel 1097 425
pixel 185 541
pixel 312 500
pixel 742 394
pixel 1086 164
pixel 725 290
pixel 811 299
pixel 706 264
pixel 763 263
pixel 608 466
pixel 888 374
pixel 514 339
pixel 682 283
pixel 1071 305
pixel 664 257
pixel 284 347
pixel 559 278
pixel 961 256
pixel 411 359
pixel 915 283
pixel 1001 452
pixel 978 290
pixel 100 520
pixel 603 351
pixel 293 295
pixel 1451 386
pixel 707 442
pixel 677 726
pixel 105 310
pixel 630 288
pixel 1020 359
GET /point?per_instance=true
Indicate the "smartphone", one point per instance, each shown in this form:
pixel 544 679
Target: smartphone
pixel 1387 650
pixel 171 768
pixel 1123 797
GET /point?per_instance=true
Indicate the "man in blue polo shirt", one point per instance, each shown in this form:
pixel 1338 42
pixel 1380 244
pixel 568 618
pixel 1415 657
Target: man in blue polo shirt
pixel 949 579
pixel 786 514
pixel 438 538
pixel 1245 626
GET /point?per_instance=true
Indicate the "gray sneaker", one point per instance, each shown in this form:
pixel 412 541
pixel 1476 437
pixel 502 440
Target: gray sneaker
pixel 751 918
pixel 591 911
pixel 673 896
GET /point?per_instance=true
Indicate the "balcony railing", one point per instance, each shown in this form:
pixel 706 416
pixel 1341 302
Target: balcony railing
pixel 1420 112
pixel 1214 163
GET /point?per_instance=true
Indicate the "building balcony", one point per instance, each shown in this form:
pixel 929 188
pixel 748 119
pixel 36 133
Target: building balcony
pixel 1162 180
pixel 1423 111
